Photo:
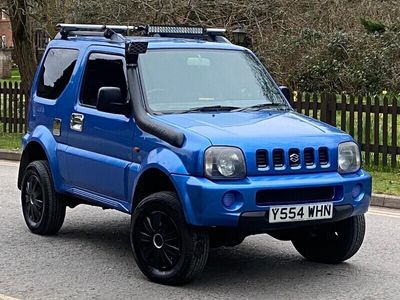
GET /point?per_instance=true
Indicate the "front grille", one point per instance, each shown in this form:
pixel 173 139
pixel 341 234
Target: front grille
pixel 309 156
pixel 323 156
pixel 292 159
pixel 262 158
pixel 295 195
pixel 278 158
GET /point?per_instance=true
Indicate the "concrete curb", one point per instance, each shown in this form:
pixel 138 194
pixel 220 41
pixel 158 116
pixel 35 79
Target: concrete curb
pixel 385 201
pixel 377 199
pixel 10 155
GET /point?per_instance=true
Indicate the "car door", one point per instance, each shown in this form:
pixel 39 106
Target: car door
pixel 100 143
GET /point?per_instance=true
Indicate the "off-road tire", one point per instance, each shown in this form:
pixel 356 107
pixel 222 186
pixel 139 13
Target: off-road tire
pixel 332 243
pixel 48 205
pixel 164 212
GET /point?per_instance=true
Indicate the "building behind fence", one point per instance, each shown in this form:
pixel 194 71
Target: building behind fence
pixel 373 122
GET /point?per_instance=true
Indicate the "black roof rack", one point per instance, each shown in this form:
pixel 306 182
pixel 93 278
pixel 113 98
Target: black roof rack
pixel 119 31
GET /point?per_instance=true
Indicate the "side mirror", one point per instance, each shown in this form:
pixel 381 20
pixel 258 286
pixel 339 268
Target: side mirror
pixel 286 92
pixel 110 99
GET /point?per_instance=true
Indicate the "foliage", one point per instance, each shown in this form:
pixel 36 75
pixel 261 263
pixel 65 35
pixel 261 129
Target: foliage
pixel 335 45
pixel 353 63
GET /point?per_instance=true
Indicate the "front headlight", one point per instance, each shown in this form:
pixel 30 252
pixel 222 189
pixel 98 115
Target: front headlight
pixel 224 163
pixel 348 157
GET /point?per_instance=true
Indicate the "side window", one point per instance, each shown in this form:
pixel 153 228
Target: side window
pixel 56 72
pixel 103 70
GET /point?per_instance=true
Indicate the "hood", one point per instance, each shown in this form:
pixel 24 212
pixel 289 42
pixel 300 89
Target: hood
pixel 256 132
pixel 247 128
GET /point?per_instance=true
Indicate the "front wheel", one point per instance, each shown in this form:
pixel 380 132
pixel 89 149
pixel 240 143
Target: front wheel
pixel 332 243
pixel 166 249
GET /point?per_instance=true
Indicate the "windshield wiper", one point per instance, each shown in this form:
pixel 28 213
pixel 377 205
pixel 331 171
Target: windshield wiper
pixel 210 108
pixel 278 106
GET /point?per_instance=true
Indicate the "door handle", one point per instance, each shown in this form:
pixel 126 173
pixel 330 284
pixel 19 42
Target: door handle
pixel 76 122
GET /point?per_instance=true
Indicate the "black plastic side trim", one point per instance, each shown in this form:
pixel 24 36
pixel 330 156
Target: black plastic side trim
pixel 164 132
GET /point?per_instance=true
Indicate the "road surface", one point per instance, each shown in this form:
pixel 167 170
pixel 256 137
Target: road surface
pixel 91 258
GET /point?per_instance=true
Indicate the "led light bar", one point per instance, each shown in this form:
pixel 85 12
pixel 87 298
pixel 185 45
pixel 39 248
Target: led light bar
pixel 160 29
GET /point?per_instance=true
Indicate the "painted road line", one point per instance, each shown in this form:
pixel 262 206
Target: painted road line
pixel 4 297
pixel 396 216
pixel 9 163
pixel 388 211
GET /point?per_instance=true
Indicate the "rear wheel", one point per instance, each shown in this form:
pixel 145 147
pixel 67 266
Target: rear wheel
pixel 332 243
pixel 166 249
pixel 43 211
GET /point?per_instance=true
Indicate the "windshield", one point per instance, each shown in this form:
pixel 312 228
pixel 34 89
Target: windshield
pixel 182 80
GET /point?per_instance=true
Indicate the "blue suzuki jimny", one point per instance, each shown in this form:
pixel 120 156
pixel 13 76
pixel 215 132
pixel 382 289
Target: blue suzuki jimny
pixel 190 135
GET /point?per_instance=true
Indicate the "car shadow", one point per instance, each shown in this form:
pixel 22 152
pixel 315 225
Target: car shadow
pixel 259 258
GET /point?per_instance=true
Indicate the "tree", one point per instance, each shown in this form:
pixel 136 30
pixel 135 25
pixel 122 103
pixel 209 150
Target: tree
pixel 25 54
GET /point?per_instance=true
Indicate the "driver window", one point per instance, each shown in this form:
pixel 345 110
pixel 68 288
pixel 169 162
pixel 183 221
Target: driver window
pixel 102 70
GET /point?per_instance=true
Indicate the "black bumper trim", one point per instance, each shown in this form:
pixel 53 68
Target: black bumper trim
pixel 257 221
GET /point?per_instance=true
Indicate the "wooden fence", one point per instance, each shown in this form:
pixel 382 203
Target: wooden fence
pixel 13 108
pixel 373 121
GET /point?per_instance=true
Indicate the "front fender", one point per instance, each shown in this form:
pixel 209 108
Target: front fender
pixel 161 159
pixel 166 160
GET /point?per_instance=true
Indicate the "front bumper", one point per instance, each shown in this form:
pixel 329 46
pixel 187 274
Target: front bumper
pixel 203 206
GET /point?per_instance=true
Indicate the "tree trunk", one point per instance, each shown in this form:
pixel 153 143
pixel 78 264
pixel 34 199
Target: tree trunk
pixel 23 37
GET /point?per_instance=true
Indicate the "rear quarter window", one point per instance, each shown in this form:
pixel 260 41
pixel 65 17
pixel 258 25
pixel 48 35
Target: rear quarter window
pixel 56 72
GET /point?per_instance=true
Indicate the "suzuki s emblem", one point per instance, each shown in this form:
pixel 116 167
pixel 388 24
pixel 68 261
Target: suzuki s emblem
pixel 294 158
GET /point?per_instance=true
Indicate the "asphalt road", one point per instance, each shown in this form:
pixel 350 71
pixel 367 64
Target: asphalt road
pixel 91 258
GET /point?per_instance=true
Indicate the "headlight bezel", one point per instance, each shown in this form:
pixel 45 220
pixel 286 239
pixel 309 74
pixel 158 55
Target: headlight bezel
pixel 211 166
pixel 355 164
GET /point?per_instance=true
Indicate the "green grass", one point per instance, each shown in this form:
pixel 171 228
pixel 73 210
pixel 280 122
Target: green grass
pixel 385 181
pixel 9 141
pixel 15 77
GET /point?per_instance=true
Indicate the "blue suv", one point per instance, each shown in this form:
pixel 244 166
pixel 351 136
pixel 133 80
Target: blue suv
pixel 190 135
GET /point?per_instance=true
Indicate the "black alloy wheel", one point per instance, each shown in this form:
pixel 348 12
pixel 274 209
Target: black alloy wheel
pixel 33 200
pixel 167 250
pixel 159 240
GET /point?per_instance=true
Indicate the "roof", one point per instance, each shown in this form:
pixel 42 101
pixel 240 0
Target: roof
pixel 153 43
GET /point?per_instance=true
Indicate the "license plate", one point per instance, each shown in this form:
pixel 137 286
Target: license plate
pixel 306 212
